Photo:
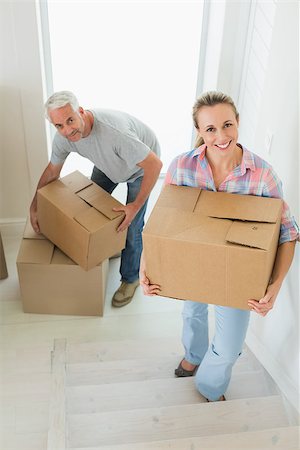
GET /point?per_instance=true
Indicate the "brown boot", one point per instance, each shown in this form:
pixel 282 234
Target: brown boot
pixel 124 294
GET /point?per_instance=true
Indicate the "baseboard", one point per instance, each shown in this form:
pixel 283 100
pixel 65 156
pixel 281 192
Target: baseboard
pixel 11 221
pixel 12 226
pixel 273 367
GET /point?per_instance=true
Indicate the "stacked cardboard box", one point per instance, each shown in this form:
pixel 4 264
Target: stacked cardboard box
pixel 77 216
pixel 51 283
pixel 3 268
pixel 64 269
pixel 211 247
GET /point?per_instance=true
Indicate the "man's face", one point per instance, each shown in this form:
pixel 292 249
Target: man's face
pixel 69 123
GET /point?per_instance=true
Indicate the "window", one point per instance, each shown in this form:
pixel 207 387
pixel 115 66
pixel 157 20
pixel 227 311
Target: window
pixel 139 57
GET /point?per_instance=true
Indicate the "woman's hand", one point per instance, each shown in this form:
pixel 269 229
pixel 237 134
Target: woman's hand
pixel 265 304
pixel 284 258
pixel 148 288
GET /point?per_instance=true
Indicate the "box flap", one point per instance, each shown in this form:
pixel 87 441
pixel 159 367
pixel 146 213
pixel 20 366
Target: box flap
pixel 240 207
pixel 170 222
pixel 183 198
pixel 91 220
pixel 36 251
pixel 76 181
pixel 187 226
pixel 101 200
pixel 29 232
pixel 208 230
pixel 251 234
pixel 59 195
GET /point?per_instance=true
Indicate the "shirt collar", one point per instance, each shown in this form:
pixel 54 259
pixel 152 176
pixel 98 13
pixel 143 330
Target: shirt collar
pixel 248 161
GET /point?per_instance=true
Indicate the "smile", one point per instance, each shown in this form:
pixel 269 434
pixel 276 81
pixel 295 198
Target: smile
pixel 223 146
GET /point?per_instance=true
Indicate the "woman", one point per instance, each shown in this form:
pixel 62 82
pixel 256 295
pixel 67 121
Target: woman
pixel 220 163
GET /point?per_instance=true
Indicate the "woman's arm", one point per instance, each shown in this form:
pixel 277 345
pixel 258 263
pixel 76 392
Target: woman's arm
pixel 283 261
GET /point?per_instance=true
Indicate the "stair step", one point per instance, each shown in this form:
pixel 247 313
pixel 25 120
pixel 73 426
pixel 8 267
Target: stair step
pixel 117 364
pixel 148 393
pixel 286 438
pixel 175 422
pixel 135 395
pixel 121 371
pixel 103 351
pixel 159 368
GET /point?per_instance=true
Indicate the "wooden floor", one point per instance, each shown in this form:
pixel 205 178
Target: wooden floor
pixel 107 383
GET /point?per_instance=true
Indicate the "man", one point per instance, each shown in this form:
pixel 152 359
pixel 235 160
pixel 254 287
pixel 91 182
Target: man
pixel 122 149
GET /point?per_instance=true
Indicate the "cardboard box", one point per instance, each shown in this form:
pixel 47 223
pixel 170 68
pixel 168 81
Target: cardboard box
pixel 76 215
pixel 51 283
pixel 211 247
pixel 3 267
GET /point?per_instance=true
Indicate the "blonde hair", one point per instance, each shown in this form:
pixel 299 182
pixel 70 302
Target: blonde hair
pixel 211 98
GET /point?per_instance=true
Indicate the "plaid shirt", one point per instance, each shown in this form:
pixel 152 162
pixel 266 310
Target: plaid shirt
pixel 253 176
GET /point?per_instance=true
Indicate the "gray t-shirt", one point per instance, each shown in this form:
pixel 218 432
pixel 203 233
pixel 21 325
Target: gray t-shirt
pixel 115 145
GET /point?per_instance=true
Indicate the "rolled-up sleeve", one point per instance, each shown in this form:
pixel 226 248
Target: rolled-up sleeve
pixel 289 230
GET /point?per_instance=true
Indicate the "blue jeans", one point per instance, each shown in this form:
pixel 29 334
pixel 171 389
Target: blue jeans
pixel 131 254
pixel 216 359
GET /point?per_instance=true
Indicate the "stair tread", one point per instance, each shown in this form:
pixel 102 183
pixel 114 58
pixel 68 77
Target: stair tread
pixel 121 371
pixel 148 393
pixel 173 422
pixel 115 371
pixel 132 395
pixel 284 438
pixel 104 351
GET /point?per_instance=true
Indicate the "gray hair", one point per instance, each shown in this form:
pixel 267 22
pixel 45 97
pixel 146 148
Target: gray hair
pixel 60 99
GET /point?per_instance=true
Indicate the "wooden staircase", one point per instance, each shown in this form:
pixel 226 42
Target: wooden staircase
pixel 122 395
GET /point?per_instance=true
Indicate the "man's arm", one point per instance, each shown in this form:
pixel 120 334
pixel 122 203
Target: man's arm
pixel 152 166
pixel 51 173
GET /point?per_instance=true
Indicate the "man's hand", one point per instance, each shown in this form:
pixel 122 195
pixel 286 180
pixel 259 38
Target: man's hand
pixel 130 211
pixel 34 220
pixel 265 304
pixel 51 173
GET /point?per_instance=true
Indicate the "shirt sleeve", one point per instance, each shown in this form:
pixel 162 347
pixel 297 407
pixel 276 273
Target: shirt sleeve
pixel 171 175
pixel 59 151
pixel 289 230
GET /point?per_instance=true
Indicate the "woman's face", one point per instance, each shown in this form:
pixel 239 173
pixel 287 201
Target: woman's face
pixel 218 127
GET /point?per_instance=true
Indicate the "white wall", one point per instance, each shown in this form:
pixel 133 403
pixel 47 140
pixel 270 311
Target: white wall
pixel 23 138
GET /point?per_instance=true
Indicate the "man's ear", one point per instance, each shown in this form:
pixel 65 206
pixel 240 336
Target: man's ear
pixel 81 110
